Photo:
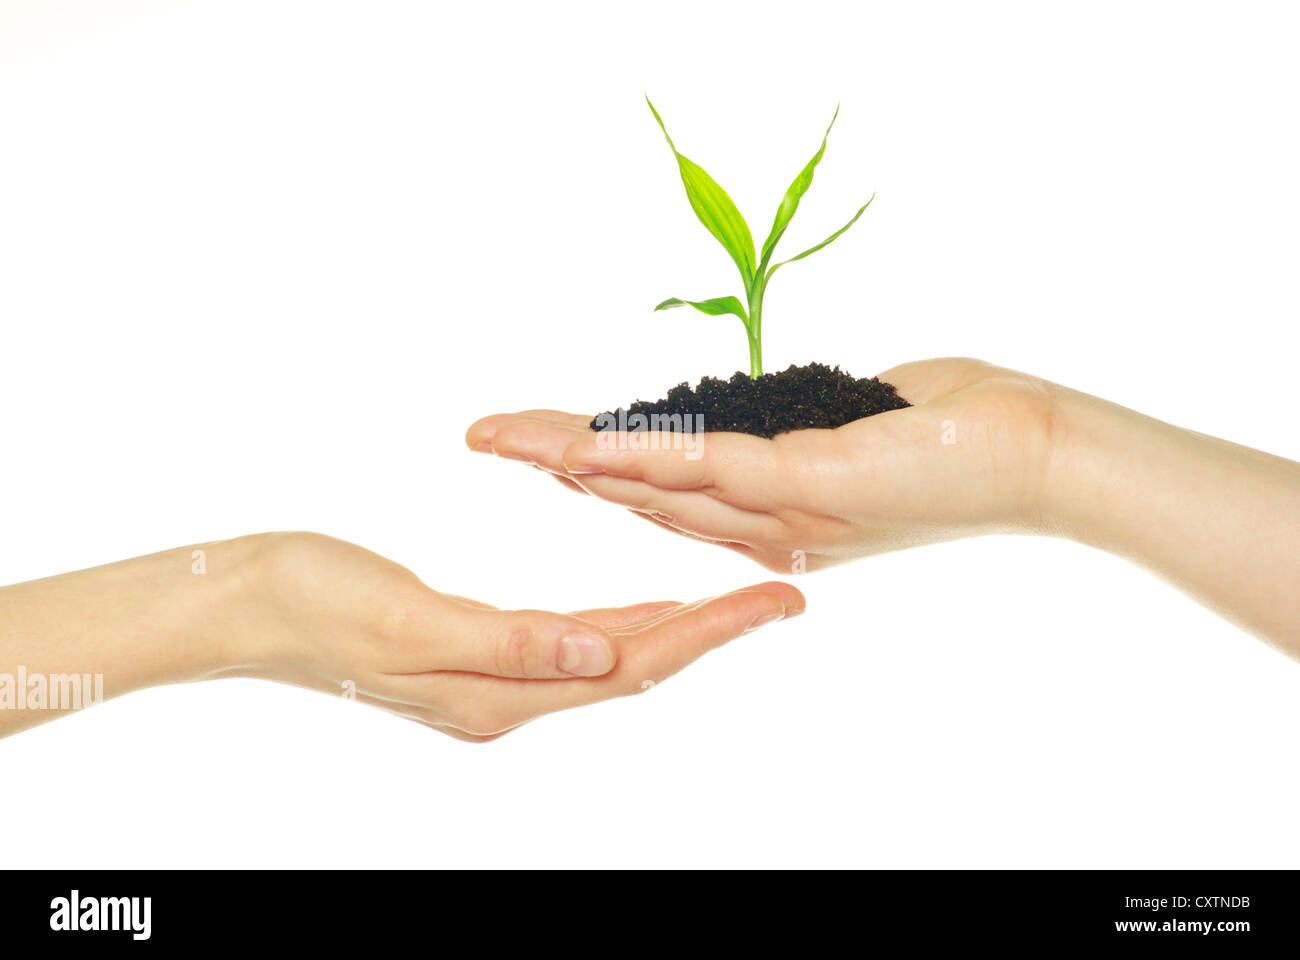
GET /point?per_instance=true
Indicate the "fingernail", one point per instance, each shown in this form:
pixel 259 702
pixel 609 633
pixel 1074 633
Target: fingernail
pixel 582 469
pixel 583 655
pixel 764 621
pixel 483 447
pixel 515 456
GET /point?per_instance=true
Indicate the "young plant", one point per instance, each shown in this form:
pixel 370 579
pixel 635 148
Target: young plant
pixel 719 214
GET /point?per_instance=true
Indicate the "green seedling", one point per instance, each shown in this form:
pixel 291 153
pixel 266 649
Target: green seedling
pixel 719 214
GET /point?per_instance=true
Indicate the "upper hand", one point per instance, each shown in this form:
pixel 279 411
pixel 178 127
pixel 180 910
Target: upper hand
pixel 970 456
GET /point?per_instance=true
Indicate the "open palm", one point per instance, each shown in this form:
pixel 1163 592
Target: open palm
pixel 967 458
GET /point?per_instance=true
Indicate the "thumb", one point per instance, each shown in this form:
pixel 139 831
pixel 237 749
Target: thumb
pixel 525 644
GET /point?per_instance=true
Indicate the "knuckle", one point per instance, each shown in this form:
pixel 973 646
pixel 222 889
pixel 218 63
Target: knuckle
pixel 516 650
pixel 402 621
pixel 510 435
pixel 396 620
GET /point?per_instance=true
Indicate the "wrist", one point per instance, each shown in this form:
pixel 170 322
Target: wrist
pixel 212 623
pixel 1095 451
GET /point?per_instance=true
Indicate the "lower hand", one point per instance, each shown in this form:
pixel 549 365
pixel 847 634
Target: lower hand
pixel 317 612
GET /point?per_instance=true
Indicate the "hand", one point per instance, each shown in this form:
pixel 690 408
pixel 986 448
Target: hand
pixel 970 456
pixel 317 612
pixel 340 613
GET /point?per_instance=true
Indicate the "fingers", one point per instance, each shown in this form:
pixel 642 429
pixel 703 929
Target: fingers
pixel 743 549
pixel 656 459
pixel 524 644
pixel 480 435
pixel 696 513
pixel 673 643
pixel 922 381
pixel 539 442
pixel 566 483
pixel 617 618
pixel 648 656
pixel 739 469
pixel 778 561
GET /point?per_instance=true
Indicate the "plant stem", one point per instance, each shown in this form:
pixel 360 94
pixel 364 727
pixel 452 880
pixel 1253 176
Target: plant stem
pixel 754 329
pixel 755 358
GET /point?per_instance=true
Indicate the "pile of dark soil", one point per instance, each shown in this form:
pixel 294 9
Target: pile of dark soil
pixel 800 398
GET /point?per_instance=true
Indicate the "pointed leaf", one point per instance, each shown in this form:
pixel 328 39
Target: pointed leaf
pixel 790 202
pixel 714 208
pixel 714 308
pixel 812 250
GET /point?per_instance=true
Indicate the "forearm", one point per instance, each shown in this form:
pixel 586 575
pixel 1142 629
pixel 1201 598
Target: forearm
pixel 1217 520
pixel 169 617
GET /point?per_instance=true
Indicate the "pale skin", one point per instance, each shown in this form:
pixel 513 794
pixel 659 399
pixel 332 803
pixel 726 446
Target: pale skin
pixel 1024 456
pixel 309 610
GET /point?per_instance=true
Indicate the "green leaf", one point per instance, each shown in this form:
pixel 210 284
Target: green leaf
pixel 714 308
pixel 715 209
pixel 790 202
pixel 811 250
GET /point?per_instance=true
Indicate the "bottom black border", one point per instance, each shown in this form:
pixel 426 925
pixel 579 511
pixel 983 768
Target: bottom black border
pixel 1244 909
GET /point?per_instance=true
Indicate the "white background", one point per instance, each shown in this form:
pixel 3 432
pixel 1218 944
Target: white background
pixel 262 263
